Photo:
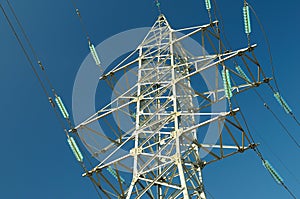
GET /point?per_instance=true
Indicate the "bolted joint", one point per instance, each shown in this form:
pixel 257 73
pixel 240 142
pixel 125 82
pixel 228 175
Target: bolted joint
pixel 253 146
pixel 135 179
pixel 241 150
pixel 51 102
pixel 87 174
pixel 267 80
pixel 232 113
pixel 176 134
pixel 104 77
pixel 73 130
pixel 136 151
pixel 199 165
pixel 256 84
pixel 176 158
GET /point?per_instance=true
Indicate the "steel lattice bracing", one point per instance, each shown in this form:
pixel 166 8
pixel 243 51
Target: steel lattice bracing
pixel 165 151
pixel 164 145
pixel 159 119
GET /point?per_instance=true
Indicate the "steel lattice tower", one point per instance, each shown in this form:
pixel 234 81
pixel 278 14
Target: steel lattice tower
pixel 164 145
pixel 175 125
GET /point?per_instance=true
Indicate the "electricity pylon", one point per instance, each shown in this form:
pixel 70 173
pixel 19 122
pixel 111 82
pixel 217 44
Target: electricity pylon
pixel 164 152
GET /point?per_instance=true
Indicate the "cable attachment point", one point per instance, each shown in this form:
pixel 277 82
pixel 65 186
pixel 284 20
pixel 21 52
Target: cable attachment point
pixel 157 3
pixel 73 130
pixel 77 12
pixel 267 80
pixel 41 65
pixel 51 102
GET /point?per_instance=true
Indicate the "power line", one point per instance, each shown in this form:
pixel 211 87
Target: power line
pixel 271 58
pixel 29 43
pixel 277 157
pixel 278 119
pixel 243 117
pixel 25 53
pixel 43 85
pixel 259 154
pixel 38 61
pixel 33 68
pixel 268 44
pixel 84 29
pixel 44 88
pixel 81 20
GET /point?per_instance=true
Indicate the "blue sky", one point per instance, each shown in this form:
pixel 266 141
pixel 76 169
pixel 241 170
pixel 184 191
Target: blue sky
pixel 36 161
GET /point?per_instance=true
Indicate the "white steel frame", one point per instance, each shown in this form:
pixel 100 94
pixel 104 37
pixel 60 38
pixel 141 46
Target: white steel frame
pixel 166 161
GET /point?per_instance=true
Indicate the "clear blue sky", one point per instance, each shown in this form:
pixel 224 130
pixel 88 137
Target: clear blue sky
pixel 36 161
